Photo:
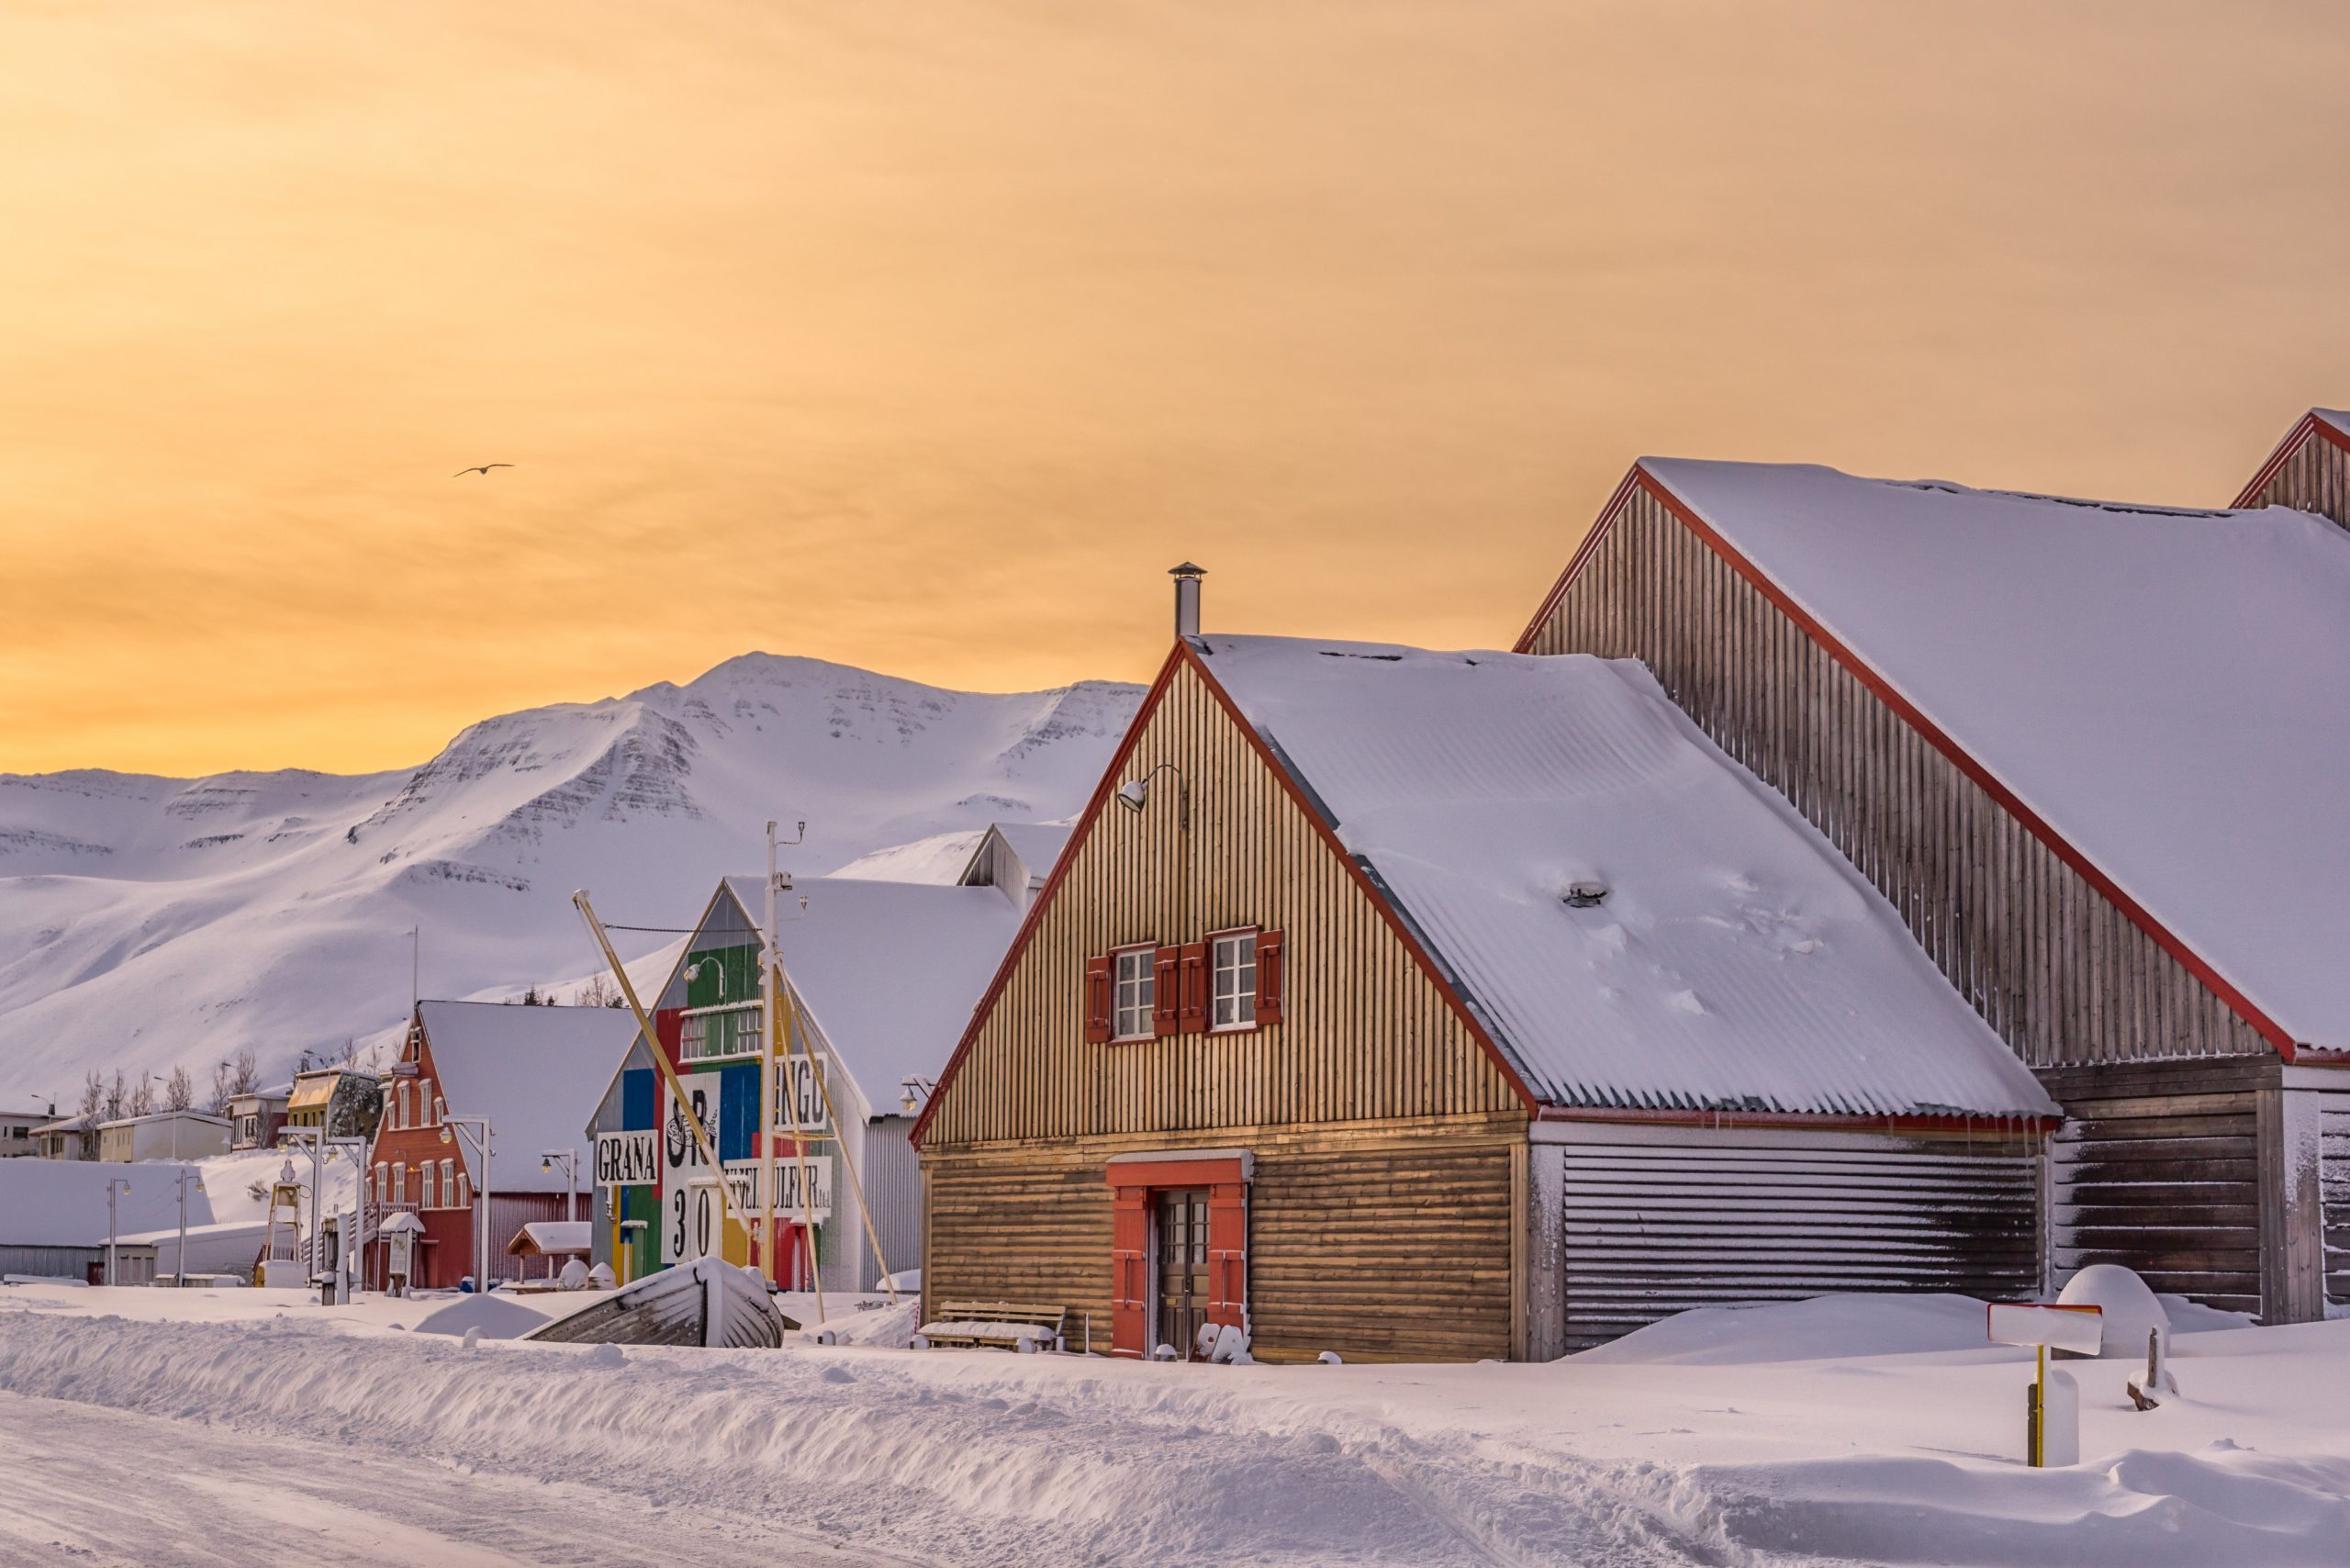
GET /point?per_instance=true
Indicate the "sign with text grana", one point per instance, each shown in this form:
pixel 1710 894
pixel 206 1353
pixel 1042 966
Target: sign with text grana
pixel 628 1160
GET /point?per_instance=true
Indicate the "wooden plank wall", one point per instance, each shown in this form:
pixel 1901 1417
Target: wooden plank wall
pixel 2314 477
pixel 1366 1034
pixel 1379 1243
pixel 1670 1219
pixel 2159 1170
pixel 2060 972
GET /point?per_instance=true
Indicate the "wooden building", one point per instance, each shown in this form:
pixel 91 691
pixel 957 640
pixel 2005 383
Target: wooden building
pixel 2093 754
pixel 256 1115
pixel 881 976
pixel 534 1073
pixel 2309 470
pixel 341 1100
pixel 1414 1006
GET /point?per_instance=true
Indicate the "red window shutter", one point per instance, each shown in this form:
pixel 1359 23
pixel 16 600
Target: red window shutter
pixel 1270 991
pixel 1097 1000
pixel 1166 989
pixel 1194 1017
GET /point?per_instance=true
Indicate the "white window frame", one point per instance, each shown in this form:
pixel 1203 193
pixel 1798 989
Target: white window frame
pixel 448 1183
pixel 464 1190
pixel 1244 973
pixel 428 1192
pixel 1145 984
pixel 424 1101
pixel 693 1043
pixel 399 1182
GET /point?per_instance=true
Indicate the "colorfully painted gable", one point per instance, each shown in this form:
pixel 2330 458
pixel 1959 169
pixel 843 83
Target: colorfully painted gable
pixel 1367 1033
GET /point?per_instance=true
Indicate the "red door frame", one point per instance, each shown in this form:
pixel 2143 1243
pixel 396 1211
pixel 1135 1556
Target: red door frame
pixel 1134 1182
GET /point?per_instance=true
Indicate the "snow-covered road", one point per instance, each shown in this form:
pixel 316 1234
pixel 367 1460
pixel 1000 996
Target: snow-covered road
pixel 91 1486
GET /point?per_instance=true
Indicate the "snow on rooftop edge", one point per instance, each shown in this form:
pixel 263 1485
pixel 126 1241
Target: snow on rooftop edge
pixel 2169 689
pixel 1738 962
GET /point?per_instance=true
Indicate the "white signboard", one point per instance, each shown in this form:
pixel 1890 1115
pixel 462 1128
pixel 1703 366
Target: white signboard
pixel 742 1180
pixel 798 1102
pixel 690 1222
pixel 681 1158
pixel 2080 1328
pixel 628 1160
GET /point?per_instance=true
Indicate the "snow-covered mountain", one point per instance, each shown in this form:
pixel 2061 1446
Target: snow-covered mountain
pixel 146 922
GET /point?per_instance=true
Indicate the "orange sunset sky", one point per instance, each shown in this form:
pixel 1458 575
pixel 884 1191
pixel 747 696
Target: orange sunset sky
pixel 925 336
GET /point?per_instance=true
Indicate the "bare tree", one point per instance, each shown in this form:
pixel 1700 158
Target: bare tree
pixel 93 1098
pixel 179 1093
pixel 118 1098
pixel 142 1095
pixel 247 1076
pixel 601 992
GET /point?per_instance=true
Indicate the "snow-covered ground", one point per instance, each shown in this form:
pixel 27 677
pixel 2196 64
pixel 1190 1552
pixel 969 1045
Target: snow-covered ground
pixel 1839 1430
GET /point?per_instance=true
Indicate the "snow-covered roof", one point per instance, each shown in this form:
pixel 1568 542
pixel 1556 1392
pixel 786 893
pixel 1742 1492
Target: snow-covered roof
pixel 62 1203
pixel 2338 418
pixel 536 1073
pixel 2168 689
pixel 553 1236
pixel 1737 961
pixel 889 970
pixel 166 1117
pixel 1038 844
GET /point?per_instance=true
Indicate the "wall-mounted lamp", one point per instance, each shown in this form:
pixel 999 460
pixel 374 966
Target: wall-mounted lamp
pixel 1134 794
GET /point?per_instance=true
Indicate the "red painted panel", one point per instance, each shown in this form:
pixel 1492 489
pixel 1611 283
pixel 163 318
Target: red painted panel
pixel 1129 1237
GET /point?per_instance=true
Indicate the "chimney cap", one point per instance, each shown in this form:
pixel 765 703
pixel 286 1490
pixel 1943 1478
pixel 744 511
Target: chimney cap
pixel 1187 570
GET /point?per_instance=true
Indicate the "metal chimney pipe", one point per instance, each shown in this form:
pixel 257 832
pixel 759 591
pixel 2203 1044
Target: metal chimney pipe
pixel 1187 597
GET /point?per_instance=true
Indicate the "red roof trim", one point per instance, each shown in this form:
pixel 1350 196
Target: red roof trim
pixel 1798 1119
pixel 1969 765
pixel 1598 531
pixel 2295 439
pixel 1045 895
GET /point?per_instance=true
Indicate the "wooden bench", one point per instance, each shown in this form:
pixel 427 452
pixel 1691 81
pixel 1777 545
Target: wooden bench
pixel 992 1325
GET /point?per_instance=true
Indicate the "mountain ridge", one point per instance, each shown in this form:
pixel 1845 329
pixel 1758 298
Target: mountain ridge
pixel 151 921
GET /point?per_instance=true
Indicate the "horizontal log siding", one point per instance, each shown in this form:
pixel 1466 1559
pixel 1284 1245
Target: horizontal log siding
pixel 2315 477
pixel 1366 1034
pixel 1651 1228
pixel 2059 971
pixel 2158 1170
pixel 1379 1244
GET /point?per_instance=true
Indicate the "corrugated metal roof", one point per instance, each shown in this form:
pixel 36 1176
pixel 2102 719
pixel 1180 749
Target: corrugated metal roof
pixel 1735 963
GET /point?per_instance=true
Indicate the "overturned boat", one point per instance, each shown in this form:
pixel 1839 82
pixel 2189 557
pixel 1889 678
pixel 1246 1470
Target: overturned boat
pixel 707 1301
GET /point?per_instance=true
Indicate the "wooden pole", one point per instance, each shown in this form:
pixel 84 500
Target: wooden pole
pixel 668 1073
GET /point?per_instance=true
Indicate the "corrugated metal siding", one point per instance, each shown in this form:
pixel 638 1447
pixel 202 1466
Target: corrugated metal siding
pixel 50 1263
pixel 1662 1222
pixel 1366 1033
pixel 2059 971
pixel 893 1185
pixel 2315 476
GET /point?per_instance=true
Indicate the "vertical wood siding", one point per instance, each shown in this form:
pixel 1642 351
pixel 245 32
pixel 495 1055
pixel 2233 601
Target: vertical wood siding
pixel 1660 1222
pixel 2059 971
pixel 2314 477
pixel 2334 1192
pixel 1366 1034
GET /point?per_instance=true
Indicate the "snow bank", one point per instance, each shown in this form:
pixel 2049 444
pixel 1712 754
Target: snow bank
pixel 495 1317
pixel 1818 1330
pixel 962 1458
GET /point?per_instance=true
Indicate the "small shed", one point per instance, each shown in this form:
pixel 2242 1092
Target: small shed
pixel 554 1240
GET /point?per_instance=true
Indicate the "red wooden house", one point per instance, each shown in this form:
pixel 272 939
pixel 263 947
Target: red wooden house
pixel 534 1074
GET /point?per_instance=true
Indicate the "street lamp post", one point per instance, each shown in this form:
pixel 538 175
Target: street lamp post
pixel 179 1262
pixel 479 1143
pixel 569 1159
pixel 116 1187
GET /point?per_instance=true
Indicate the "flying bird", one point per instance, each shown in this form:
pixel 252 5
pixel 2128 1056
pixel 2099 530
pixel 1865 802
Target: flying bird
pixel 482 468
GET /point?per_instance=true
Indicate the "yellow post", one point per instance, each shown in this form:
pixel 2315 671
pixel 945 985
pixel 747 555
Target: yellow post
pixel 2038 1444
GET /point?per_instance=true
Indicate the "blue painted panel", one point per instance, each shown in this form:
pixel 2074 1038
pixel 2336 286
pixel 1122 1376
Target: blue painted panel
pixel 638 1097
pixel 738 1111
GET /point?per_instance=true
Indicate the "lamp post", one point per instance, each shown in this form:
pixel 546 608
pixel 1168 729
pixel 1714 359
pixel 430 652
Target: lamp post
pixel 569 1159
pixel 116 1187
pixel 179 1263
pixel 477 1142
pixel 1134 794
